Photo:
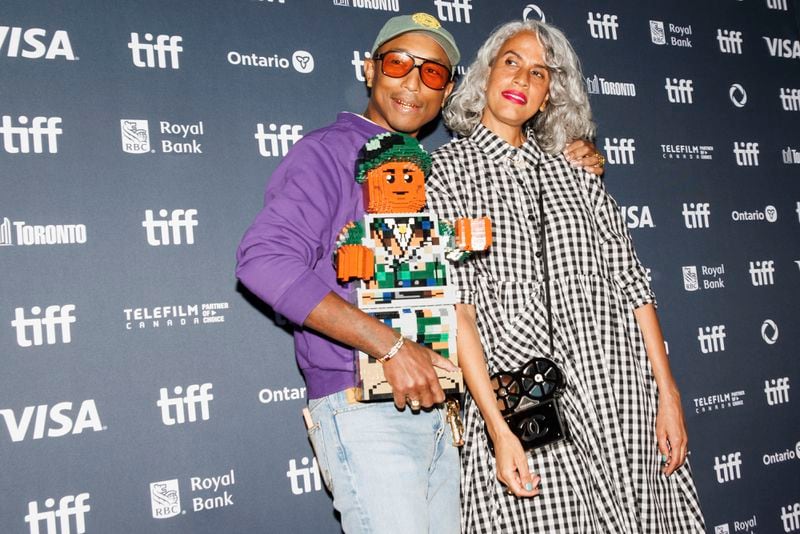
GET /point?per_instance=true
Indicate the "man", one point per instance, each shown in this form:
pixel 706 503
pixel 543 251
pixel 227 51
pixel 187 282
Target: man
pixel 389 468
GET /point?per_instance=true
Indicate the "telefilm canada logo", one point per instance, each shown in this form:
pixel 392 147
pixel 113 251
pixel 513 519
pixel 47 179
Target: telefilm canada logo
pixel 175 315
pixel 690 152
pixel 669 34
pixel 719 401
pixel 22 233
pixel 208 493
pixel 174 137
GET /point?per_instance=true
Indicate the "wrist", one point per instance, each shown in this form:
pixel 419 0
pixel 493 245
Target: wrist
pixel 392 352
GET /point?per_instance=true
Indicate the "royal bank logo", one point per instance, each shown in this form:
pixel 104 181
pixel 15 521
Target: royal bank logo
pixel 176 138
pixel 711 338
pixel 30 134
pixel 790 99
pixel 165 498
pixel 453 10
pixel 637 216
pixel 35 43
pixel 769 332
pixel 790 156
pixel 23 234
pixel 722 529
pixel 790 517
pixel 779 5
pixel 533 12
pixel 43 421
pixel 696 215
pixel 619 151
pixel 738 95
pixel 768 214
pixel 600 86
pixel 728 467
pixel 746 526
pixel 746 153
pixel 762 273
pixel 183 407
pixel 385 5
pixel 730 41
pixel 719 401
pixel 171 228
pixel 602 25
pixel 707 277
pixel 175 315
pixel 135 136
pixel 54 327
pixel 679 91
pixel 278 140
pixel 670 34
pixel 783 48
pixel 70 513
pixel 691 152
pixel 777 390
pixel 160 51
pixel 305 478
pixel 301 61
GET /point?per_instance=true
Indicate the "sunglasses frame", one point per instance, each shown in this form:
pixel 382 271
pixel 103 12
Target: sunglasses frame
pixel 382 55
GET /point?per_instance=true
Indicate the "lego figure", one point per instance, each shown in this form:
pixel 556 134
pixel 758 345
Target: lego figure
pixel 399 252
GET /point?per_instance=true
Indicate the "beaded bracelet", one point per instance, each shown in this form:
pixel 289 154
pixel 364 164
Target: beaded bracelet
pixel 391 354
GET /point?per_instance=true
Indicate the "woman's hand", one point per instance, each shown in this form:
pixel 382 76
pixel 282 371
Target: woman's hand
pixel 512 466
pixel 583 154
pixel 671 431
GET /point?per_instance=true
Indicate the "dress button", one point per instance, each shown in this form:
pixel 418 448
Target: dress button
pixel 538 253
pixel 531 218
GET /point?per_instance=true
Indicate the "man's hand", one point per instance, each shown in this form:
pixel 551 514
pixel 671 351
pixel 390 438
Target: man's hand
pixel 412 376
pixel 583 154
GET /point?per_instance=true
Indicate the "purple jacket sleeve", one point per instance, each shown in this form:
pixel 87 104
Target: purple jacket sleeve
pixel 279 255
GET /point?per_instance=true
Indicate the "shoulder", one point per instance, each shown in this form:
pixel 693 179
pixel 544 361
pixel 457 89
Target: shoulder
pixel 453 150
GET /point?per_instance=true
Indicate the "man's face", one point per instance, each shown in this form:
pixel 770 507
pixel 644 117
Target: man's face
pixel 405 104
pixel 395 187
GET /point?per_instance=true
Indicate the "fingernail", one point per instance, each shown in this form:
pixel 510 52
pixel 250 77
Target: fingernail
pixel 529 486
pixel 663 458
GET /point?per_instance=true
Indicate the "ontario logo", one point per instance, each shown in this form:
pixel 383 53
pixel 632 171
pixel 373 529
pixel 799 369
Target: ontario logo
pixel 165 498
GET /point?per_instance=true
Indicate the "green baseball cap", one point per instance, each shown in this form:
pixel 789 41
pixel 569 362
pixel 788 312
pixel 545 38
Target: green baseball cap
pixel 419 22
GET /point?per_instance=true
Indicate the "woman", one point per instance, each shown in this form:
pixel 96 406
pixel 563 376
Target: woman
pixel 623 467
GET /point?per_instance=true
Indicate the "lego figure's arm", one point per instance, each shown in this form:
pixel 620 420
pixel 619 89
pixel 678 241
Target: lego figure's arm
pixel 466 236
pixel 352 258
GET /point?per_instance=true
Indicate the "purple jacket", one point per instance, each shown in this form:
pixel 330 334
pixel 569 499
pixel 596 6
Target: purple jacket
pixel 285 257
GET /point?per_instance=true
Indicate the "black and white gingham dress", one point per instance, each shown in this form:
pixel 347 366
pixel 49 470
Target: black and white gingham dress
pixel 606 478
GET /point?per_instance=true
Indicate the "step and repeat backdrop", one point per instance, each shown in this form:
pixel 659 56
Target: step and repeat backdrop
pixel 144 390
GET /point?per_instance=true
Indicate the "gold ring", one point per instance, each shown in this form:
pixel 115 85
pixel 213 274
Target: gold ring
pixel 414 404
pixel 601 159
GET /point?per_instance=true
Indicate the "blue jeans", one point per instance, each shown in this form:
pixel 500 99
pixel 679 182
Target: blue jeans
pixel 389 471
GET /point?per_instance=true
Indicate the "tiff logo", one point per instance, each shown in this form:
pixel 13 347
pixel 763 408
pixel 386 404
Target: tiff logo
pixel 761 272
pixel 358 64
pixel 711 338
pixel 790 516
pixel 746 154
pixel 58 521
pixel 679 91
pixel 730 41
pixel 178 219
pixel 620 151
pixel 453 10
pixel 277 142
pixel 695 215
pixel 53 316
pixel 196 394
pixel 790 99
pixel 155 55
pixel 602 25
pixel 40 128
pixel 728 467
pixel 777 390
pixel 304 479
pixel 780 5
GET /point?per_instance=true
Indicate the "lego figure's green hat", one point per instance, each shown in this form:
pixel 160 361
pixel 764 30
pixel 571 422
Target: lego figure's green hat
pixel 390 146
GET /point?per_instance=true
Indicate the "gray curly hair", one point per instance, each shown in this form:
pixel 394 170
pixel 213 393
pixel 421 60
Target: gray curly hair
pixel 567 115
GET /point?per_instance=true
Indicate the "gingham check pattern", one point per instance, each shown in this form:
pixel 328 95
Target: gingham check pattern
pixel 606 477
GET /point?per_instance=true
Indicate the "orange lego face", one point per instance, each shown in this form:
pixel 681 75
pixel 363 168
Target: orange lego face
pixel 395 187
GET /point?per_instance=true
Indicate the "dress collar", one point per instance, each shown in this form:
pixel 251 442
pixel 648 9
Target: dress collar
pixel 502 152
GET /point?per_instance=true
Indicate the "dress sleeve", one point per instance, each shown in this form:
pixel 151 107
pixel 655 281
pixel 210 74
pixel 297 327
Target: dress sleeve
pixel 277 254
pixel 445 200
pixel 617 245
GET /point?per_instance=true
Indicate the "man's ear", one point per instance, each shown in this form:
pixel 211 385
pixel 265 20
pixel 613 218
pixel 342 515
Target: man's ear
pixel 369 71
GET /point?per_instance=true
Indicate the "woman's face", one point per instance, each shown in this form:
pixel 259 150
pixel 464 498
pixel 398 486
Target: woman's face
pixel 518 85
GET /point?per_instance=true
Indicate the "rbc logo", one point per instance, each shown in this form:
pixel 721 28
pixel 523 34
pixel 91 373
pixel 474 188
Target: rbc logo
pixel 155 55
pixel 59 521
pixel 172 409
pixel 53 316
pixel 135 136
pixel 165 498
pixel 304 479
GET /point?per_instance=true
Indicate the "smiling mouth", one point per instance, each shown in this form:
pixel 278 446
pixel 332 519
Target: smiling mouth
pixel 405 105
pixel 400 192
pixel 515 96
